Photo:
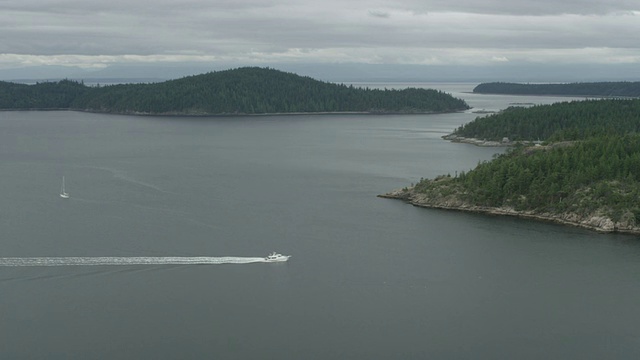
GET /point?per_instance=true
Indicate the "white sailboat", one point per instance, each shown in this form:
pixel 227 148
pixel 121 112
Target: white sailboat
pixel 63 193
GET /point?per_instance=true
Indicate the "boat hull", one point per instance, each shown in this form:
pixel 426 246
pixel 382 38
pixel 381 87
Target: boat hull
pixel 277 258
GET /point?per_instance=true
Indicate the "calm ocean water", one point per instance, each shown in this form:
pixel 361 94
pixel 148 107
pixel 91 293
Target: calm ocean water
pixel 369 278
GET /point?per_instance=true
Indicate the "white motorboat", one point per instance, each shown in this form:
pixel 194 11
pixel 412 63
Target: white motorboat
pixel 274 257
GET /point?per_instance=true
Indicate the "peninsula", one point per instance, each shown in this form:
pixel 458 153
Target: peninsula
pixel 585 172
pixel 242 91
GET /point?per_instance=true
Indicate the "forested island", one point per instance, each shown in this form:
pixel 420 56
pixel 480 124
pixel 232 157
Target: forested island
pixel 597 89
pixel 586 171
pixel 242 91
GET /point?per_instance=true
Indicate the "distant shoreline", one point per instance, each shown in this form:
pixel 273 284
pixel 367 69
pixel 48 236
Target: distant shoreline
pixel 373 113
pixel 602 89
pixel 586 97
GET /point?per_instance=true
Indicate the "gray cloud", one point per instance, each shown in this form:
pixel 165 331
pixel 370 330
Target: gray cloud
pixel 379 14
pixel 525 7
pixel 375 31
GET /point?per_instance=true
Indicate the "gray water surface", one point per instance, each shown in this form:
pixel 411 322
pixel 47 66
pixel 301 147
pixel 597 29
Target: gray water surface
pixel 369 278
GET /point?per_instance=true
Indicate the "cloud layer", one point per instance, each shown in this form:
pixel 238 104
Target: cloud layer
pixel 94 34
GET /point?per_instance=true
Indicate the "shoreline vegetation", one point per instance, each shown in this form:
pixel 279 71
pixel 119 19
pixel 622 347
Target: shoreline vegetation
pixel 236 92
pixel 582 169
pixel 600 223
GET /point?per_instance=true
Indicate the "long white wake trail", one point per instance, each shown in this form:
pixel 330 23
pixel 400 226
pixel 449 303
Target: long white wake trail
pixel 164 260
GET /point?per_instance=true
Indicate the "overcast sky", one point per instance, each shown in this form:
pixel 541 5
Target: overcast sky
pixel 91 33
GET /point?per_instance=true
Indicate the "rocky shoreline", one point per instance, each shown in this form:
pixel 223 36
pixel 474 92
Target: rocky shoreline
pixel 489 143
pixel 596 222
pixel 474 141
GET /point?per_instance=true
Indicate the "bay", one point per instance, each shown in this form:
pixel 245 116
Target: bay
pixel 368 278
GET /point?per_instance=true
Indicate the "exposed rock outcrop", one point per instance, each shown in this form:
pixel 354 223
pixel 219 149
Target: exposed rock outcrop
pixel 596 221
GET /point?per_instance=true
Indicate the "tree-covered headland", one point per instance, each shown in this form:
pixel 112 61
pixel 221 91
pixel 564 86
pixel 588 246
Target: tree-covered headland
pixel 585 173
pixel 557 122
pixel 238 91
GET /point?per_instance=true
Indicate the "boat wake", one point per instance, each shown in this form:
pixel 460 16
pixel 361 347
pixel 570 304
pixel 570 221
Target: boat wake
pixel 165 260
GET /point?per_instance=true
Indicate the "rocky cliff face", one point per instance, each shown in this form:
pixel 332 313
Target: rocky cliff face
pixel 597 221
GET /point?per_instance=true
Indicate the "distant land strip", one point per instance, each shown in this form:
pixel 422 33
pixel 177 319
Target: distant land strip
pixel 596 89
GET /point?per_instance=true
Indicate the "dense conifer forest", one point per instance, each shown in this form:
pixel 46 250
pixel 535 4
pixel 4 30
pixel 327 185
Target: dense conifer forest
pixel 586 172
pixel 46 95
pixel 237 91
pixel 600 89
pixel 557 122
pixel 581 177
